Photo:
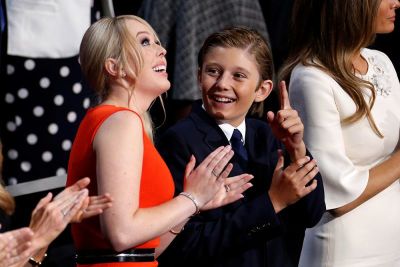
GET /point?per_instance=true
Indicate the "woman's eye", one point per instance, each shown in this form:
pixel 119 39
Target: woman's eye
pixel 145 42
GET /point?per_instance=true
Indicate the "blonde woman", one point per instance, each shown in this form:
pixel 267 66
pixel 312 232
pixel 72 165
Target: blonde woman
pixel 125 64
pixel 348 97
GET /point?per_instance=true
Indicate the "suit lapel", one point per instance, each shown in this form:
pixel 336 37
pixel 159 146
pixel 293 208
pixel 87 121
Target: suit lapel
pixel 214 137
pixel 211 133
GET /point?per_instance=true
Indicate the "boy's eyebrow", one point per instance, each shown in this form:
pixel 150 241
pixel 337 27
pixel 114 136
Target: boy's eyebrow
pixel 238 68
pixel 211 63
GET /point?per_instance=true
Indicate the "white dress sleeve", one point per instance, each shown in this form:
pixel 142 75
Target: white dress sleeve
pixel 316 97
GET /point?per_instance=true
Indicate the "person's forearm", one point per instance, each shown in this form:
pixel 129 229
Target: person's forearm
pixel 380 177
pixel 172 212
pixel 168 237
pixel 297 152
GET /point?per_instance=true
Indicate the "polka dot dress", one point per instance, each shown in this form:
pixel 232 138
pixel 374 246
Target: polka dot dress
pixel 43 102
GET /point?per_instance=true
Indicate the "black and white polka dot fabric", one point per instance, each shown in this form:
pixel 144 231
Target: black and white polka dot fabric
pixel 43 102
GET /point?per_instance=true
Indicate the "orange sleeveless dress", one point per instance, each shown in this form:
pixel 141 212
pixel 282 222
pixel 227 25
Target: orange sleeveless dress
pixel 156 184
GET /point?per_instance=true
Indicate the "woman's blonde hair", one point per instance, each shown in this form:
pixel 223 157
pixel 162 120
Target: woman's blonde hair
pixel 110 38
pixel 7 203
pixel 327 34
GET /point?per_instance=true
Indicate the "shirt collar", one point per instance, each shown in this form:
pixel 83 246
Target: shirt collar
pixel 228 129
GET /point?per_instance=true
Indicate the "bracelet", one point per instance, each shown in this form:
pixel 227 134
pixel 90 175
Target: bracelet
pixel 191 197
pixel 172 231
pixel 36 263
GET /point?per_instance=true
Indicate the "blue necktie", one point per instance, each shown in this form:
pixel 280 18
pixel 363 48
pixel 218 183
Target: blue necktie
pixel 237 146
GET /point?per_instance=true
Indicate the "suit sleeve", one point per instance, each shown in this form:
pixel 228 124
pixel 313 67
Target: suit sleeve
pixel 220 231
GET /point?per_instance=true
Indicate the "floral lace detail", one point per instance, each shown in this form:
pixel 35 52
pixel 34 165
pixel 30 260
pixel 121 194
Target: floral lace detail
pixel 378 76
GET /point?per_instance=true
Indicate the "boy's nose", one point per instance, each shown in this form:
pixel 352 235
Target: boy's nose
pixel 223 82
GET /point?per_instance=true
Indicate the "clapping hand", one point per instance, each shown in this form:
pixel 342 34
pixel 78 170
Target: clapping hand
pixel 49 219
pixel 292 183
pixel 231 191
pixel 51 216
pixel 204 181
pixel 91 206
pixel 15 247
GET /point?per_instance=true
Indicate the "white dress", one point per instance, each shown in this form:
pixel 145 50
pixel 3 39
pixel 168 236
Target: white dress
pixel 370 234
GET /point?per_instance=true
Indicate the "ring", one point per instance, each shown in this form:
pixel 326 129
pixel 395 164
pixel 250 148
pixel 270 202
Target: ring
pixel 227 188
pixel 214 174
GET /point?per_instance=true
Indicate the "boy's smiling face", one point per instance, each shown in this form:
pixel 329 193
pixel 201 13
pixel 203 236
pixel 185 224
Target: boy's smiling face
pixel 230 82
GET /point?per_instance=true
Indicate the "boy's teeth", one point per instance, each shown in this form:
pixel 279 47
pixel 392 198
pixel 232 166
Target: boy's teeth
pixel 223 99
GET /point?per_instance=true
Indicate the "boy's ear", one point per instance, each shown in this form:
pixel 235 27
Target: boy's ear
pixel 264 90
pixel 111 67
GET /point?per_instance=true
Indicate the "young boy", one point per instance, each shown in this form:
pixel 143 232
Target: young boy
pixel 266 227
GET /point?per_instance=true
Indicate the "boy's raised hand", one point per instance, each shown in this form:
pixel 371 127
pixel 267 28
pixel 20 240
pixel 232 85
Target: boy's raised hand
pixel 287 125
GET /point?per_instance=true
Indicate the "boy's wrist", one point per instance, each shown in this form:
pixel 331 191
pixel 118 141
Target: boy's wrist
pixel 276 204
pixel 296 152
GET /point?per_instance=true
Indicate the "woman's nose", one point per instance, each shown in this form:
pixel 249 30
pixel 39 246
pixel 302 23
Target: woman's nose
pixel 161 50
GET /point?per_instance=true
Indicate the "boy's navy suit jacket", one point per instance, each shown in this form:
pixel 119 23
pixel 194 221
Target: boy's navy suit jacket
pixel 248 232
